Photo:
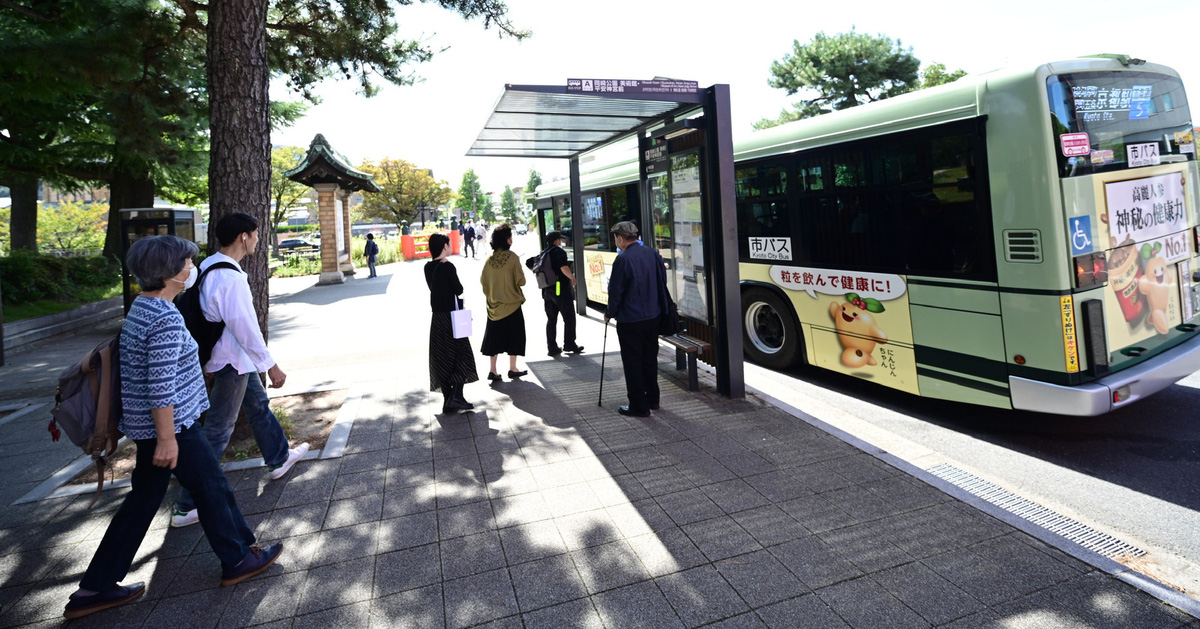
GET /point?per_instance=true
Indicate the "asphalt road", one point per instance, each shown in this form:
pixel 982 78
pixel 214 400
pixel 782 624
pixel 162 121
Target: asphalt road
pixel 1133 473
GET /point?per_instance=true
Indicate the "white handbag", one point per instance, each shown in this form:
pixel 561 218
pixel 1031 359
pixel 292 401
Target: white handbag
pixel 460 319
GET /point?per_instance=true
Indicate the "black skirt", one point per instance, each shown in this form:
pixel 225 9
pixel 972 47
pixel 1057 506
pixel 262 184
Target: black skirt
pixel 506 336
pixel 450 359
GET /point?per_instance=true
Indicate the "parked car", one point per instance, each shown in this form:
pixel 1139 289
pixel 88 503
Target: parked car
pixel 298 244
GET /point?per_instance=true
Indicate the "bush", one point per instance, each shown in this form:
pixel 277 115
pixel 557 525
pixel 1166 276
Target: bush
pixel 291 229
pixel 26 277
pixel 295 266
pixel 389 252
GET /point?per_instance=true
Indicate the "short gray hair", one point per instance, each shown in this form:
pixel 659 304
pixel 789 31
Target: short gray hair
pixel 154 259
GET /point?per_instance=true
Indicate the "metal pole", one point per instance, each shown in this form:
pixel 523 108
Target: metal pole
pixel 722 221
pixel 577 236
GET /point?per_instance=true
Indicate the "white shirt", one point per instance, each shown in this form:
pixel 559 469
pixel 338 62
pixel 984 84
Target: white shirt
pixel 226 297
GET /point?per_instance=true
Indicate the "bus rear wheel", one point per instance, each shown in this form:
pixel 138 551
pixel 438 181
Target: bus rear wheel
pixel 769 332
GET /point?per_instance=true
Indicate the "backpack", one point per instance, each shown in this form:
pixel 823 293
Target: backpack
pixel 540 265
pixel 88 407
pixel 206 332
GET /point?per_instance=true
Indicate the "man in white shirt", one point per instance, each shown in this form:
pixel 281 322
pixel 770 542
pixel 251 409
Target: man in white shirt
pixel 237 359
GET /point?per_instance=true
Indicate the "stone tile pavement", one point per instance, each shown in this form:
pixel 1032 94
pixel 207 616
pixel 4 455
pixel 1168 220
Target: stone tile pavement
pixel 543 509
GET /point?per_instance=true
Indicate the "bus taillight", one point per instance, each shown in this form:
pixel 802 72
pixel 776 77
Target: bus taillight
pixel 1090 270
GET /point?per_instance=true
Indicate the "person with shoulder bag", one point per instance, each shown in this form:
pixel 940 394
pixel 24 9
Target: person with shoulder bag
pixel 559 299
pixel 237 359
pixel 162 394
pixel 451 364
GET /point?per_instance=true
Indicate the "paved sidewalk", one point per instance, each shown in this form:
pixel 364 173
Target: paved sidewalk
pixel 543 509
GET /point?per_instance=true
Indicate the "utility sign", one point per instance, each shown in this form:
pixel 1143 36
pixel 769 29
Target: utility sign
pixel 1081 235
pixel 1075 144
pixel 1142 155
pixel 630 86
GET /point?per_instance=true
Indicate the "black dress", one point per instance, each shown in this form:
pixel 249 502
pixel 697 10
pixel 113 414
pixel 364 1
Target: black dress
pixel 450 359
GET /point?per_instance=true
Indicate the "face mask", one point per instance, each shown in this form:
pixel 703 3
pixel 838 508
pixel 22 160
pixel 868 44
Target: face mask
pixel 191 279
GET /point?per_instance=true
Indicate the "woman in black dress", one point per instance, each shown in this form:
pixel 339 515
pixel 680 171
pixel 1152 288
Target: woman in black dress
pixel 451 364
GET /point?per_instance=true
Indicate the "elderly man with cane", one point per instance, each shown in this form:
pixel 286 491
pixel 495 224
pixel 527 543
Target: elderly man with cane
pixel 635 297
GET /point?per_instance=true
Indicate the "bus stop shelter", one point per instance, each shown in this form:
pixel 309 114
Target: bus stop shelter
pixel 586 115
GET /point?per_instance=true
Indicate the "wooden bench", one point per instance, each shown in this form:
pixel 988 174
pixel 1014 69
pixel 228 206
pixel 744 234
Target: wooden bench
pixel 687 348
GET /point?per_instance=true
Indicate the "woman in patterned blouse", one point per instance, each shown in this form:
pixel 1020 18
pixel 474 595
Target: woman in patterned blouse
pixel 163 395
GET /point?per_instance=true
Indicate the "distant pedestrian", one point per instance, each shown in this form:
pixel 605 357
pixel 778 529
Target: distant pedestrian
pixel 162 389
pixel 636 292
pixel 451 364
pixel 469 239
pixel 370 252
pixel 560 298
pixel 502 279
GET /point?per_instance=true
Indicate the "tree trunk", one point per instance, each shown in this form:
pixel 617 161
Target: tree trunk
pixel 23 219
pixel 124 191
pixel 239 171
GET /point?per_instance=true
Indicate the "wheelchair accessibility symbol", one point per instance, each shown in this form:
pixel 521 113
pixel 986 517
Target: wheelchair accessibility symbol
pixel 1081 235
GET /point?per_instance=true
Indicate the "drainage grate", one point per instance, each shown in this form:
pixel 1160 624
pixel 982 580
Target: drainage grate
pixel 1077 532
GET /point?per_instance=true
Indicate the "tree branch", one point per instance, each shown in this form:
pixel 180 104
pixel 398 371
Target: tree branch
pixel 37 15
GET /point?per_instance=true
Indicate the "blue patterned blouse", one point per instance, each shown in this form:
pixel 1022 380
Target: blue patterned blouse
pixel 160 367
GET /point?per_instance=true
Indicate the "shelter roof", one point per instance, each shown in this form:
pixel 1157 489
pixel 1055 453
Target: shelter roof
pixel 322 164
pixel 550 121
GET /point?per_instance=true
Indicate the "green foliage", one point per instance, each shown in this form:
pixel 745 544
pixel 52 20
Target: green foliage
pixel 389 252
pixel 844 70
pixel 296 266
pixel 72 227
pixel 312 40
pixel 5 221
pixel 27 277
pixel 289 229
pixel 471 198
pixel 284 192
pixel 508 203
pixel 403 188
pixel 535 180
pixel 935 74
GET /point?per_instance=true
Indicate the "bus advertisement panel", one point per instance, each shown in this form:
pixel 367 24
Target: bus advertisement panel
pixel 855 322
pixel 597 270
pixel 1145 221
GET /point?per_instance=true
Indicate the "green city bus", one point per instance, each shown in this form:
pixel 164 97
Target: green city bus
pixel 1024 238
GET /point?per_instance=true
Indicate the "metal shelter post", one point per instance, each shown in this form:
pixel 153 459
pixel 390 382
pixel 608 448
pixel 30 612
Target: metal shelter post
pixel 577 234
pixel 722 222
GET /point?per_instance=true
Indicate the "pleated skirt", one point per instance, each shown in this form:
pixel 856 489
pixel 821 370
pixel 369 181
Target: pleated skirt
pixel 506 336
pixel 450 359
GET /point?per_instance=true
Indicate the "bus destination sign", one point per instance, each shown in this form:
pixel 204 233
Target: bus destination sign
pixel 629 86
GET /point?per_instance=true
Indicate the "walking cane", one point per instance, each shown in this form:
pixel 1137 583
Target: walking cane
pixel 603 349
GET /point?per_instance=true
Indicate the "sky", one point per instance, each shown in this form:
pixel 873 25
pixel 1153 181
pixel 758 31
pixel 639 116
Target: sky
pixel 433 123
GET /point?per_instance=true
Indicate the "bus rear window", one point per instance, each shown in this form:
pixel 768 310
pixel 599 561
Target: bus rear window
pixel 1105 121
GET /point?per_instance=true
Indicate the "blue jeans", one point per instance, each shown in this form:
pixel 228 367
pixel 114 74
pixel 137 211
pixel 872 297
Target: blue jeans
pixel 197 469
pixel 231 391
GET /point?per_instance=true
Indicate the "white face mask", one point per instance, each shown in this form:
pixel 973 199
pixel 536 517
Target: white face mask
pixel 191 279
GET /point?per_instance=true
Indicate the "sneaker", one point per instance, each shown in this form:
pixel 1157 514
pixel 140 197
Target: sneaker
pixel 295 454
pixel 180 519
pixel 578 349
pixel 257 559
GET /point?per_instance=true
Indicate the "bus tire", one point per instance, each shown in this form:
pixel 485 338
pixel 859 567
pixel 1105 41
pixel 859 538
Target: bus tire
pixel 770 334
